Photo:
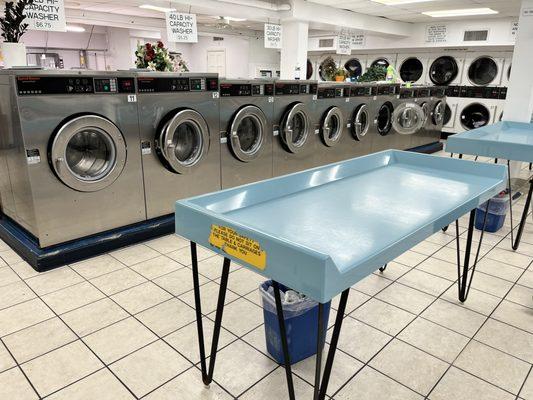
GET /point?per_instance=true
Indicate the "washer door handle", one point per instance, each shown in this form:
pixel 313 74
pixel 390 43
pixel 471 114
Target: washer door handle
pixel 59 164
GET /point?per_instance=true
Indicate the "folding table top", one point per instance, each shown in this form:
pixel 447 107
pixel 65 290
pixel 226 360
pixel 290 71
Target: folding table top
pixel 322 230
pixel 505 140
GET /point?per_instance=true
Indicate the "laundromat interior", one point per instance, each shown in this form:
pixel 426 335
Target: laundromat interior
pixel 266 200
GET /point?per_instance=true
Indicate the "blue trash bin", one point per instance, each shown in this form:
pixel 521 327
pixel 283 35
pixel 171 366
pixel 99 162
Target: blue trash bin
pixel 497 213
pixel 301 325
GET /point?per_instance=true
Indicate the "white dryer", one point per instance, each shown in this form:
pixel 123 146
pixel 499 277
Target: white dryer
pixel 355 65
pixel 412 67
pixel 317 61
pixel 507 66
pixel 477 107
pixel 500 106
pixel 483 68
pixel 380 59
pixel 445 68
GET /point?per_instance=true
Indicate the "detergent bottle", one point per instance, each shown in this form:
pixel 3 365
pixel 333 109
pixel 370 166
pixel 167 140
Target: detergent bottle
pixel 390 74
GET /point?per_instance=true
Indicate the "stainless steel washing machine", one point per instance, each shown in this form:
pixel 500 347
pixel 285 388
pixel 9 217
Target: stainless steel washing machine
pixel 71 146
pixel 387 101
pixel 246 111
pixel 295 126
pixel 179 127
pixel 422 96
pixel 435 120
pixel 361 109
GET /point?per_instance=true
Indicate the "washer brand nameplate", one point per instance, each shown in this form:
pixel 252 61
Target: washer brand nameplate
pixel 146 148
pixel 238 246
pixel 33 156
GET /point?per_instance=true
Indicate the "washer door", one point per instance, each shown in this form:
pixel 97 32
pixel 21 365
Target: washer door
pixel 447 115
pixel 361 122
pixel 474 116
pixel 184 141
pixel 408 118
pixel 482 71
pixel 88 153
pixel 443 70
pixel 309 73
pixel 354 68
pixel 425 110
pixel 384 119
pixel 380 62
pixel 295 127
pixel 438 113
pixel 247 133
pixel 332 125
pixel 411 70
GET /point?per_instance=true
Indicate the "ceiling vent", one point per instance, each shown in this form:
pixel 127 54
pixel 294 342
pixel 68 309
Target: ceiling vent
pixel 325 43
pixel 476 36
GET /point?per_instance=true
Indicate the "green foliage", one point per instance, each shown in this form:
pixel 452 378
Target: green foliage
pixel 12 22
pixel 329 68
pixel 340 72
pixel 374 74
pixel 154 57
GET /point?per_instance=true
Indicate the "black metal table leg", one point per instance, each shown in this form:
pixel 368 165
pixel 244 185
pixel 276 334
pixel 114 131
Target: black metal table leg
pixel 463 283
pixel 382 269
pixel 515 243
pixel 207 376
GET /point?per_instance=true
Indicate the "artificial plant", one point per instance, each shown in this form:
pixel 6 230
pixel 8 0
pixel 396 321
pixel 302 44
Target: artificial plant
pixel 12 23
pixel 329 67
pixel 154 57
pixel 374 74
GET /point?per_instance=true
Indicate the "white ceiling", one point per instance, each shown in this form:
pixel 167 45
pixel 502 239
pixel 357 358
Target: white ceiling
pixel 412 12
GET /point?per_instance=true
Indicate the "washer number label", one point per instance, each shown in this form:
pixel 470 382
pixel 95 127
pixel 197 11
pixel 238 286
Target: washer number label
pixel 216 95
pixel 146 148
pixel 132 98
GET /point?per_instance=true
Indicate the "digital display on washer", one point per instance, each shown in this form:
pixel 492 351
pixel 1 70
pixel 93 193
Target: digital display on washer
pixel 385 90
pixel 235 89
pixel 47 85
pixel 162 85
pixel 361 91
pixel 326 93
pixel 407 93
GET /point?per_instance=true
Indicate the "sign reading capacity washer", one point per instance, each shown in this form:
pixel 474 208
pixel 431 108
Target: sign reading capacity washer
pixel 46 15
pixel 182 27
pixel 273 35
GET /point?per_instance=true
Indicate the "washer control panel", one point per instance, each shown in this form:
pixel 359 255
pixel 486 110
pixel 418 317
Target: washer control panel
pixel 48 85
pixel 149 84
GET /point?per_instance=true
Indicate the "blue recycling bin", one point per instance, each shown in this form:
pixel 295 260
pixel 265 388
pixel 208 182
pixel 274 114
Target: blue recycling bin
pixel 301 325
pixel 497 212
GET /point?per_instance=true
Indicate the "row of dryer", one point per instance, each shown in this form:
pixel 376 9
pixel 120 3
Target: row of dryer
pixel 473 68
pixel 83 153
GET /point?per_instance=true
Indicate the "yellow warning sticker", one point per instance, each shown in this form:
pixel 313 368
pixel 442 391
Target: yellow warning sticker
pixel 238 246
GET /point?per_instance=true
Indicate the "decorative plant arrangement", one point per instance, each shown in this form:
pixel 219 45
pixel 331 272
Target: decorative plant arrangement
pixel 179 63
pixel 154 57
pixel 12 22
pixel 340 75
pixel 374 74
pixel 329 67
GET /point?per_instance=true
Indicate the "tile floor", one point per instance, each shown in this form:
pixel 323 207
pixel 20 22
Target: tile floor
pixel 122 326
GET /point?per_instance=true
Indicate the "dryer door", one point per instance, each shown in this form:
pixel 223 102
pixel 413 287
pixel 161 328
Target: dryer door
pixel 411 70
pixel 447 116
pixel 354 68
pixel 474 116
pixel 443 70
pixel 295 127
pixel 88 153
pixel 384 119
pixel 408 118
pixel 437 115
pixel 184 141
pixel 247 133
pixel 361 122
pixel 482 71
pixel 332 126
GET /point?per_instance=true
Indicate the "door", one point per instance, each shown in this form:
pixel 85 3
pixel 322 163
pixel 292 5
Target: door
pixel 216 62
pixel 361 122
pixel 183 141
pixel 88 153
pixel 475 115
pixel 384 119
pixel 483 71
pixel 443 70
pixel 408 118
pixel 247 133
pixel 411 70
pixel 331 126
pixel 437 114
pixel 295 127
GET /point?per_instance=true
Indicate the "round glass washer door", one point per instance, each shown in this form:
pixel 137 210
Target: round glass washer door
pixel 482 71
pixel 88 153
pixel 447 115
pixel 184 141
pixel 384 119
pixel 361 122
pixel 408 118
pixel 411 70
pixel 295 127
pixel 437 115
pixel 425 109
pixel 474 116
pixel 247 133
pixel 443 70
pixel 332 126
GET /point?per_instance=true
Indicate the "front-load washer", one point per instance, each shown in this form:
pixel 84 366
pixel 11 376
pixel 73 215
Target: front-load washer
pixel 381 60
pixel 318 62
pixel 413 129
pixel 246 108
pixel 71 146
pixel 179 126
pixel 295 126
pixel 450 120
pixel 435 118
pixel 387 100
pixel 477 107
pixel 484 68
pixel 413 67
pixel 445 69
pixel 361 112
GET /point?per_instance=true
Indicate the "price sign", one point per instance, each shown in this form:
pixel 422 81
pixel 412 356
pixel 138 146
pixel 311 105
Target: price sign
pixel 436 34
pixel 46 15
pixel 182 27
pixel 358 40
pixel 344 44
pixel 273 35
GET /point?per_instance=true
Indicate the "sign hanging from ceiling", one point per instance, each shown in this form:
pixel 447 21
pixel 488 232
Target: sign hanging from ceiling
pixel 514 30
pixel 344 41
pixel 437 33
pixel 273 35
pixel 358 40
pixel 46 15
pixel 182 27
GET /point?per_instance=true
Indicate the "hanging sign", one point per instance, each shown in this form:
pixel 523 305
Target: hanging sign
pixel 358 40
pixel 46 15
pixel 514 30
pixel 527 12
pixel 273 35
pixel 436 33
pixel 344 41
pixel 182 27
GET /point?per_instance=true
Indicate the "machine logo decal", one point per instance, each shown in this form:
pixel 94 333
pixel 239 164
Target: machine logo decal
pixel 236 245
pixel 33 156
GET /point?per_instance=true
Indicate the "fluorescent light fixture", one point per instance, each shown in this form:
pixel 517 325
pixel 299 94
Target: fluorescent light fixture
pixel 232 19
pixel 74 28
pixel 398 2
pixel 465 12
pixel 156 8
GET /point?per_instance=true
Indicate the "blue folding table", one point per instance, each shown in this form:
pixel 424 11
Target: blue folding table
pixel 322 230
pixel 511 141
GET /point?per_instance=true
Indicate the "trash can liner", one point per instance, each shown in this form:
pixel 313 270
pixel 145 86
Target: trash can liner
pixel 294 303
